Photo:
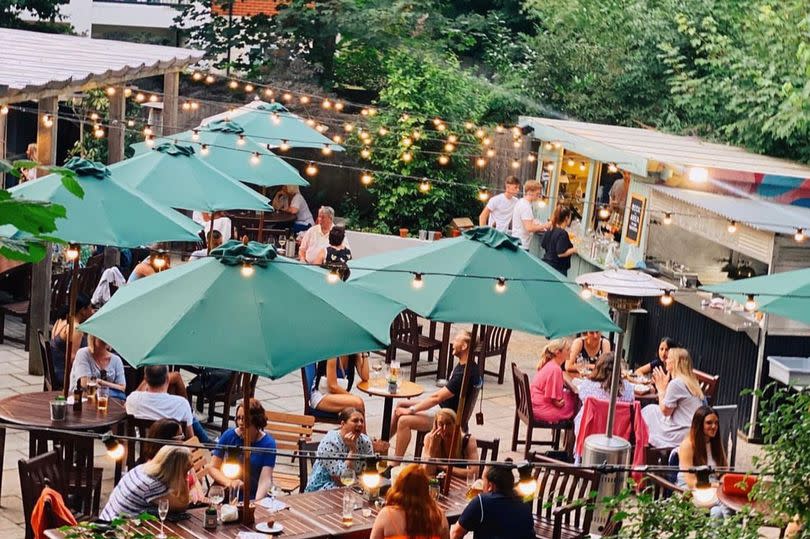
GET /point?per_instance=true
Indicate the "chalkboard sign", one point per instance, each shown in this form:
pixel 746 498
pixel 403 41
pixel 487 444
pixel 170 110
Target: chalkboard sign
pixel 635 221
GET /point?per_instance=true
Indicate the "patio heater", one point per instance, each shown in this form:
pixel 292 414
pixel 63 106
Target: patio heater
pixel 625 290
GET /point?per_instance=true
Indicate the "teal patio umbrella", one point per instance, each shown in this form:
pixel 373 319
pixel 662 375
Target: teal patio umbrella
pixel 109 213
pixel 272 123
pixel 784 294
pixel 175 175
pixel 482 277
pixel 219 144
pixel 242 309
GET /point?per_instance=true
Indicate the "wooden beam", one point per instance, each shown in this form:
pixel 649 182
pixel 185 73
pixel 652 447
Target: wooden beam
pixel 171 90
pixel 115 136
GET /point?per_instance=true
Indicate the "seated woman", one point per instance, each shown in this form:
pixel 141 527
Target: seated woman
pixel 162 429
pixel 140 489
pixel 679 397
pixel 551 401
pixel 96 361
pixel 299 207
pixel 437 443
pixel 59 336
pixel 337 254
pixel 588 347
pixel 410 511
pixel 664 347
pixel 334 377
pixel 703 447
pixel 261 463
pixel 348 440
pixel 598 385
pixel 497 509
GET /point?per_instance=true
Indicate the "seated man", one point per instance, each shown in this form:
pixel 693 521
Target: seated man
pixel 156 403
pixel 418 415
pixel 216 242
pixel 316 239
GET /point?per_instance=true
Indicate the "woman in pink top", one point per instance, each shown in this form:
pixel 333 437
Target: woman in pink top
pixel 550 400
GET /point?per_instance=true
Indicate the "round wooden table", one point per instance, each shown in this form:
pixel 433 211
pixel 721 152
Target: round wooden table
pixel 407 390
pixel 34 410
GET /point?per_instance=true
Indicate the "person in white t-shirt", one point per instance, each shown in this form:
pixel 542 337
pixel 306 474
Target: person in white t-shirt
pixel 498 211
pixel 298 206
pixel 221 223
pixel 524 225
pixel 316 239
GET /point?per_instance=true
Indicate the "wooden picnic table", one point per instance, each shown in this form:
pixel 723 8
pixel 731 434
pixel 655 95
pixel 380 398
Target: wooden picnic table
pixel 407 390
pixel 34 410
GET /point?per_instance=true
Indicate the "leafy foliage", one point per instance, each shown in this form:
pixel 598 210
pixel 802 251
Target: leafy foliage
pixel 121 527
pixel 46 10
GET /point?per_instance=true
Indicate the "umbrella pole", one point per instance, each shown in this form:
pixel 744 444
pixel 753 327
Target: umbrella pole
pixel 247 516
pixel 763 334
pixel 74 291
pixel 210 241
pixel 260 237
pixel 462 401
pixel 620 318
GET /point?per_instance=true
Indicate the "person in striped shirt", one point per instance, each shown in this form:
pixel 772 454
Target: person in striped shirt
pixel 141 488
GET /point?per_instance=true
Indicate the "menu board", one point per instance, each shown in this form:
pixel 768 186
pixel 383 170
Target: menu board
pixel 635 221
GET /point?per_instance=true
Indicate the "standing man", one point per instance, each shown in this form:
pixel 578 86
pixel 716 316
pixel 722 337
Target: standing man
pixel 316 239
pixel 524 225
pixel 618 192
pixel 498 211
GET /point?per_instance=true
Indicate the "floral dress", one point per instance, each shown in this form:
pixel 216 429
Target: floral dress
pixel 333 445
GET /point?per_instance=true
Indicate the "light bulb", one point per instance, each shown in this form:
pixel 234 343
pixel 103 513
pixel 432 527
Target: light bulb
pixel 372 111
pixel 586 292
pixel 287 97
pixel 111 91
pixel 515 164
pixel 338 139
pixel 194 105
pixel 326 150
pixel 486 141
pixel 254 159
pixel 443 159
pixel 348 127
pixel 248 88
pixel 159 261
pixel 285 145
pixel 115 449
pixel 799 235
pixel 517 143
pixel 147 130
pixel 732 227
pixel 247 269
pixel 196 75
pixel 499 128
pixel 612 168
pixel 209 79
pixel 441 127
pixel 449 147
pixel 531 158
pixel 667 218
pixel 370 477
pixel 582 166
pixel 364 112
pixel 72 252
pixel 231 467
pixel 333 276
pixel 304 99
pixel 491 152
pixel 338 106
pixel 480 162
pixel 311 169
pixel 241 140
pixel 47 120
pixel 94 116
pixel 698 175
pixel 407 141
pixel 550 167
pixel 153 98
pixel 437 121
pixel 424 186
pixel 416 134
pixel 366 178
pixel 750 303
pixel 666 298
pixel 322 128
pixel 275 118
pixel 186 105
pixel 417 281
pixel 139 97
pixel 547 146
pixel 4 110
pixel 500 285
pixel 452 139
pixel 480 133
pixel 570 162
pixel 468 126
pixel 604 213
pixel 130 123
pixel 483 194
pixel 365 153
pixel 233 85
pixel 527 484
pixel 407 157
pixel 310 122
pixel 556 144
pixel 382 131
pixel 204 149
pixel 150 141
pixel 195 134
pixel 268 92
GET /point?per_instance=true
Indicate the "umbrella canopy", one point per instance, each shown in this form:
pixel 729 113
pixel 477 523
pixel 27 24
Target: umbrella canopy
pixel 272 123
pixel 535 298
pixel 176 176
pixel 110 213
pixel 225 153
pixel 208 313
pixel 784 294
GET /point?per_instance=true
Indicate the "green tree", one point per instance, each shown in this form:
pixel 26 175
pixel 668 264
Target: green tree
pixel 44 10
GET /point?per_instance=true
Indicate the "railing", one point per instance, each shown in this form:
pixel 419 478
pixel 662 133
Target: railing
pixel 172 3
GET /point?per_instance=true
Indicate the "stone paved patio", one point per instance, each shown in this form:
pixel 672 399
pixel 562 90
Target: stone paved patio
pixel 282 395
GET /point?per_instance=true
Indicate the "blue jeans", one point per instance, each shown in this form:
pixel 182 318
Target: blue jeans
pixel 200 432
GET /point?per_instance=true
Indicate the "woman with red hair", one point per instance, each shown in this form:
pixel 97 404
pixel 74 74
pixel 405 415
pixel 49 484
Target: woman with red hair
pixel 410 511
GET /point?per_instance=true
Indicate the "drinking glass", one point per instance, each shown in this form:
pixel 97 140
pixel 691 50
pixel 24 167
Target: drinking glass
pixel 92 385
pixel 377 368
pixel 282 241
pixel 348 477
pixel 272 492
pixel 163 510
pixel 216 495
pixel 102 398
pixel 348 507
pixel 582 365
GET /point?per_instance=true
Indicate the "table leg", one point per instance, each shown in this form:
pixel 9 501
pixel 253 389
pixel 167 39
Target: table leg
pixel 386 426
pixel 2 455
pixel 444 353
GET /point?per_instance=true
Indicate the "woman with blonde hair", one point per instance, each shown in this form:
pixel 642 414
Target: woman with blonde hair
pixel 439 439
pixel 410 511
pixel 551 401
pixel 679 397
pixel 95 361
pixel 162 477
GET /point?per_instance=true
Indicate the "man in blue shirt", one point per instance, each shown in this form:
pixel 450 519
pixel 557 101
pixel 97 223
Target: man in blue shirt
pixel 497 513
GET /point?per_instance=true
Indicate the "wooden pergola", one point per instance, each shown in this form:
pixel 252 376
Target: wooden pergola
pixel 47 68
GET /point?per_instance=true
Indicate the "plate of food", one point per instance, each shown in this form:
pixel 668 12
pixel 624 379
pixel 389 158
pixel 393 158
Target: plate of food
pixel 641 388
pixel 270 526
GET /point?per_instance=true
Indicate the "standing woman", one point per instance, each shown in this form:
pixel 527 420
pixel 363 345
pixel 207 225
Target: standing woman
pixel 589 346
pixel 557 243
pixel 664 347
pixel 410 511
pixel 551 402
pixel 679 397
pixel 59 336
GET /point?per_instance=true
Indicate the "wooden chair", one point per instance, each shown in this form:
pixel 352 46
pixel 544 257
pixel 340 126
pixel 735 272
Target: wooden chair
pixel 729 423
pixel 228 397
pixel 407 335
pixel 17 281
pixel 487 450
pixel 524 413
pixel 49 383
pixel 288 430
pixel 60 291
pixel 305 463
pixel 708 384
pixel 308 374
pixel 35 474
pixel 20 309
pixel 562 507
pixel 494 344
pixel 659 487
pixel 200 459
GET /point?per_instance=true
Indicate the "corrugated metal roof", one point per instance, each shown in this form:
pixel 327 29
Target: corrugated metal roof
pixel 673 149
pixel 754 212
pixel 34 62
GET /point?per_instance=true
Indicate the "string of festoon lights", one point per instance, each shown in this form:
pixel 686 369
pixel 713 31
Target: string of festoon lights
pixel 704 494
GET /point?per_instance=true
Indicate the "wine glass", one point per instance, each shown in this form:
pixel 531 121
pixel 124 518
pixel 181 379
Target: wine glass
pixel 348 477
pixel 272 492
pixel 216 494
pixel 163 510
pixel 582 365
pixel 377 367
pixel 282 241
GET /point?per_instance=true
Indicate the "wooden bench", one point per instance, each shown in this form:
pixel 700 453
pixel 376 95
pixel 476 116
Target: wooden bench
pixel 288 430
